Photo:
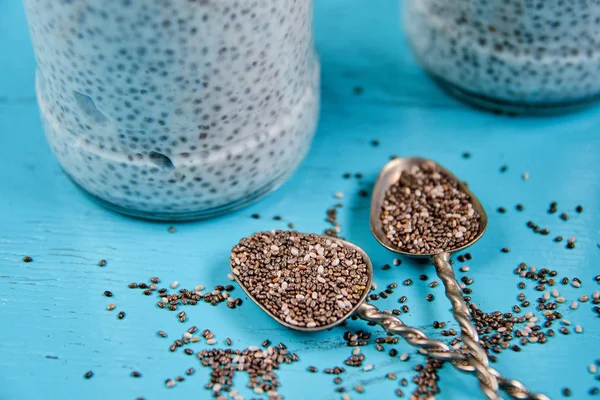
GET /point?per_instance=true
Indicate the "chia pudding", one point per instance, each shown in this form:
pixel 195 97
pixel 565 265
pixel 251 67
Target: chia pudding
pixel 176 109
pixel 513 55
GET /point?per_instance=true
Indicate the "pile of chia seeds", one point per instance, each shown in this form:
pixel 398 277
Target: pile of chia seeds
pixel 258 363
pixel 187 297
pixel 426 212
pixel 304 279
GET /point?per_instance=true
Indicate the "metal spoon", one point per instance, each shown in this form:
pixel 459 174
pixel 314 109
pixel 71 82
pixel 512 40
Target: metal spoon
pixel 413 336
pixel 389 175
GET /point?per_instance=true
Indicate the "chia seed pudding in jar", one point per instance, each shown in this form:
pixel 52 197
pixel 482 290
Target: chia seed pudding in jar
pixel 176 109
pixel 510 55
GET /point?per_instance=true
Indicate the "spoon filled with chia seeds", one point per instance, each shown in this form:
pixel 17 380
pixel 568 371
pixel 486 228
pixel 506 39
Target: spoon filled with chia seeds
pixel 420 209
pixel 312 282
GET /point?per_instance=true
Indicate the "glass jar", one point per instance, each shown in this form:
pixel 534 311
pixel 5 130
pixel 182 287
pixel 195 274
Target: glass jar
pixel 176 109
pixel 526 55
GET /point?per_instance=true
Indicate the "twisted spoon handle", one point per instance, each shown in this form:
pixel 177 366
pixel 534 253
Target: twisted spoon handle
pixel 442 351
pixel 470 338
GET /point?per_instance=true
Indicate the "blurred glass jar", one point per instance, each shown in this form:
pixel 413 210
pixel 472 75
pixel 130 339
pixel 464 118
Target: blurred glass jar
pixel 516 56
pixel 176 109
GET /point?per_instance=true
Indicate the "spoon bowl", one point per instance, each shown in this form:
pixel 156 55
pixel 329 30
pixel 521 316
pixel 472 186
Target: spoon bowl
pixel 344 243
pixel 389 175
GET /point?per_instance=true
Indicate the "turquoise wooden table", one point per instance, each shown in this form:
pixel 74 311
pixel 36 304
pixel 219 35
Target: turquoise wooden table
pixel 54 325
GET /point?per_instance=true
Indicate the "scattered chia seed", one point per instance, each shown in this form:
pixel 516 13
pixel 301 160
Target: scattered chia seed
pixel 121 315
pixel 466 155
pixel 579 209
pixel 88 375
pixel 305 287
pixel 505 249
pixel 357 90
pixel 566 392
pixel 501 210
pixel 108 293
pixel 136 374
pixel 564 217
pixel 519 207
pixel 375 143
pixel 171 229
pixel 332 219
pixel 111 307
pixel 441 203
pixel 277 218
pixel 255 216
pixel 102 263
pixel 27 259
pixel 503 169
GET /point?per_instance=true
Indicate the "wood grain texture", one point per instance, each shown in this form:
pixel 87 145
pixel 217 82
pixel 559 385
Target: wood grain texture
pixel 54 307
